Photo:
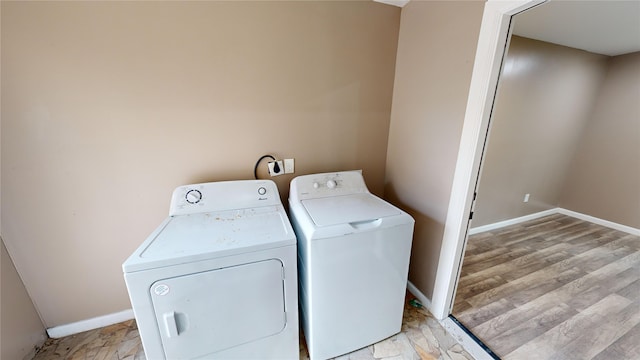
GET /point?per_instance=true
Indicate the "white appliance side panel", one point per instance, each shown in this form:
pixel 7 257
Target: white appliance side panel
pixel 355 287
pixel 208 312
pixel 348 209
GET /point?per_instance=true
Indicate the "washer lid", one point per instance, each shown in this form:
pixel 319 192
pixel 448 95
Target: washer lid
pixel 348 209
pixel 201 236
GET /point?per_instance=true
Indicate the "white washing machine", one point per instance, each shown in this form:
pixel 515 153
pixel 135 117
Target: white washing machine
pixel 217 279
pixel 353 260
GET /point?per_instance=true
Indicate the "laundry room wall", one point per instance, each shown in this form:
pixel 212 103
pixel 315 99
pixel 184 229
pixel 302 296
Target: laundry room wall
pixel 108 106
pixel 436 51
pixel 21 329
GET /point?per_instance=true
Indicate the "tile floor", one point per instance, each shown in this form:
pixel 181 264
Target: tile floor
pixel 422 338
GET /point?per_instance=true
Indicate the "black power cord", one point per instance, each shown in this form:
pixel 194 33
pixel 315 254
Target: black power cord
pixel 276 168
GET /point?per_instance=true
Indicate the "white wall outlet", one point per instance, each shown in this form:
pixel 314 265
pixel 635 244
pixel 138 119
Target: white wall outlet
pixel 288 166
pixel 276 168
pixel 526 198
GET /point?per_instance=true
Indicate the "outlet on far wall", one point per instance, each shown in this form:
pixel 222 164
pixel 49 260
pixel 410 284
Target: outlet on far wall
pixel 526 198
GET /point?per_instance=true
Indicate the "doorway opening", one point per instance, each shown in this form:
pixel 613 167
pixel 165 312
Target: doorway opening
pixel 477 127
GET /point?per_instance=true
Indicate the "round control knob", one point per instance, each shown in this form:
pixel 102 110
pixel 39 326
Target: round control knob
pixel 331 184
pixel 316 185
pixel 262 191
pixel 193 196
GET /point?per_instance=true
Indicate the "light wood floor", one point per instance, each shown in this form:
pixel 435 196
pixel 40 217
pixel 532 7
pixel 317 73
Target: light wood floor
pixel 553 288
pixel 422 337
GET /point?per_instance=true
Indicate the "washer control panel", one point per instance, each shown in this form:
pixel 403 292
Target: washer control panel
pixel 223 195
pixel 327 184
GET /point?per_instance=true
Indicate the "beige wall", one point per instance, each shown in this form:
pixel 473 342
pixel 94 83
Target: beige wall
pixel 545 97
pixel 604 177
pixel 108 106
pixel 20 324
pixel 436 52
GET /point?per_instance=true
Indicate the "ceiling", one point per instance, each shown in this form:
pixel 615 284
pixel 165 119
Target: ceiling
pixel 602 27
pixel 607 27
pixel 398 3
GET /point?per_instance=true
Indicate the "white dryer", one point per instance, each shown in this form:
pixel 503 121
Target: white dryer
pixel 217 279
pixel 353 260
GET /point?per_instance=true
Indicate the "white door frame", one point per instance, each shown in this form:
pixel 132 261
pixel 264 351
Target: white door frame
pixel 492 43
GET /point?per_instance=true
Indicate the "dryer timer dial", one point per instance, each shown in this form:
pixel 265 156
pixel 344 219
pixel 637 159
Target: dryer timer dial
pixel 193 196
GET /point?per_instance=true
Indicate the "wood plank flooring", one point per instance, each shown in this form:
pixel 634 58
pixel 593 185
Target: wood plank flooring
pixel 553 288
pixel 422 337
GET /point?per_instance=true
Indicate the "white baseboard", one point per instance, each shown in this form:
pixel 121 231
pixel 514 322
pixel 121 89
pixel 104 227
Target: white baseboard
pixel 595 220
pixel 501 224
pixel 577 215
pixel 419 295
pixel 89 324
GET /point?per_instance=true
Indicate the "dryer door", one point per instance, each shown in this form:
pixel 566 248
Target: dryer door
pixel 201 314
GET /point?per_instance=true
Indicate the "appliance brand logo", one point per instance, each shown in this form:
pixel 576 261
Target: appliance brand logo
pixel 161 289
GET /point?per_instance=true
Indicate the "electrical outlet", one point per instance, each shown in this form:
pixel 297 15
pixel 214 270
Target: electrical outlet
pixel 526 198
pixel 276 168
pixel 288 166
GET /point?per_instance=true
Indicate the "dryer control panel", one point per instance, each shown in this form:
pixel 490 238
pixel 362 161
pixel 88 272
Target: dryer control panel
pixel 327 184
pixel 223 195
